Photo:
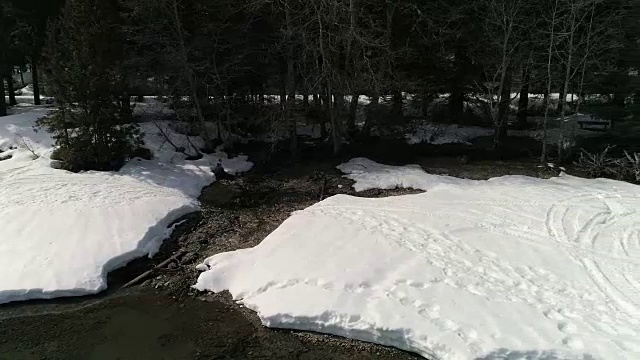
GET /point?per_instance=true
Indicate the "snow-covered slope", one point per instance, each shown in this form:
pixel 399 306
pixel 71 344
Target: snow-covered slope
pixel 62 232
pixel 510 268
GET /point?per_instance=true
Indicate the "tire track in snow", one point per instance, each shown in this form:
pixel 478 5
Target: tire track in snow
pixel 627 241
pixel 444 258
pixel 632 282
pixel 606 286
pixel 545 292
pixel 595 234
pixel 516 232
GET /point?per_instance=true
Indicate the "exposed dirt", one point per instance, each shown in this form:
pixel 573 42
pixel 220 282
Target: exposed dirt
pixel 164 318
pixel 152 325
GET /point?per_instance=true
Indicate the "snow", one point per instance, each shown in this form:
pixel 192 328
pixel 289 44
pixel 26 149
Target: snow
pixel 25 96
pixel 369 174
pixel 62 232
pixel 510 268
pixel 446 134
pixel 571 125
pixel 310 131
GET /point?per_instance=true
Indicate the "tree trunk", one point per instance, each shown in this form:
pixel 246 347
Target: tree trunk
pixel 561 100
pixel 339 110
pixel 323 129
pixel 456 100
pixel 125 106
pixel 499 135
pixel 305 100
pixel 562 141
pixel 35 82
pixel 563 125
pixel 396 106
pixel 503 112
pixel 353 110
pixel 332 113
pixel 584 65
pixel 3 104
pixel 543 156
pixel 12 91
pixel 325 105
pixel 424 104
pixel 456 106
pixel 371 109
pixel 283 90
pixel 523 103
pixel 291 91
pixel 206 136
pixel 619 97
pixel 22 77
pixel 545 121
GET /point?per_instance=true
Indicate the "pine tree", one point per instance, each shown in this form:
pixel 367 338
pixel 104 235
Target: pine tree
pixel 84 53
pixel 8 29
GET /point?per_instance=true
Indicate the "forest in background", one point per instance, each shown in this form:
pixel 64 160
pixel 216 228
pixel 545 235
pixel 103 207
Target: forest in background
pixel 245 67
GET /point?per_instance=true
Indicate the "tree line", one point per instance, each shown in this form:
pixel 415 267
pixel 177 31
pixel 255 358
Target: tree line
pixel 220 62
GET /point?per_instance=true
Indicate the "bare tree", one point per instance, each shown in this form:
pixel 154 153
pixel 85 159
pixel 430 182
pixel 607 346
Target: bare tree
pixel 503 36
pixel 188 72
pixel 551 41
pixel 584 35
pixel 326 41
pixel 523 101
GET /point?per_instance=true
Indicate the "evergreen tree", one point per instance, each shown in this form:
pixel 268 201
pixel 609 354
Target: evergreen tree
pixel 84 53
pixel 9 29
pixel 33 16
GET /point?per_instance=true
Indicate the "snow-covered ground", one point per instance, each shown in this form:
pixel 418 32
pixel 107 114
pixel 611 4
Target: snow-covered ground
pixel 510 268
pixel 62 232
pixel 438 134
pixel 25 96
pixel 446 134
pixel 571 124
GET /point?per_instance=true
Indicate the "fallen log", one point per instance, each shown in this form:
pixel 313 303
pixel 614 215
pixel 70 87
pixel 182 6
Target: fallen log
pixel 148 273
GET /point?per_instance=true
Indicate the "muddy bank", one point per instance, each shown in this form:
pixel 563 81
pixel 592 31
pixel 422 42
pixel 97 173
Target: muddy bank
pixel 155 326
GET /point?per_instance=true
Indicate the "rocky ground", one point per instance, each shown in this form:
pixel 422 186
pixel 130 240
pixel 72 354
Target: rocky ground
pixel 162 317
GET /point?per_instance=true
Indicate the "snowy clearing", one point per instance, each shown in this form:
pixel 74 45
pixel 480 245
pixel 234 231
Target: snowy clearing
pixel 62 232
pixel 510 268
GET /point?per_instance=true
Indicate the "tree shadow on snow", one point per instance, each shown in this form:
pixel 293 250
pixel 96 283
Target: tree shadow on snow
pixel 189 180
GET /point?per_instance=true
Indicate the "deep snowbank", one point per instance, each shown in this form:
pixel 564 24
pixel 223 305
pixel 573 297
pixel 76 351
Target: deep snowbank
pixel 62 232
pixel 510 268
